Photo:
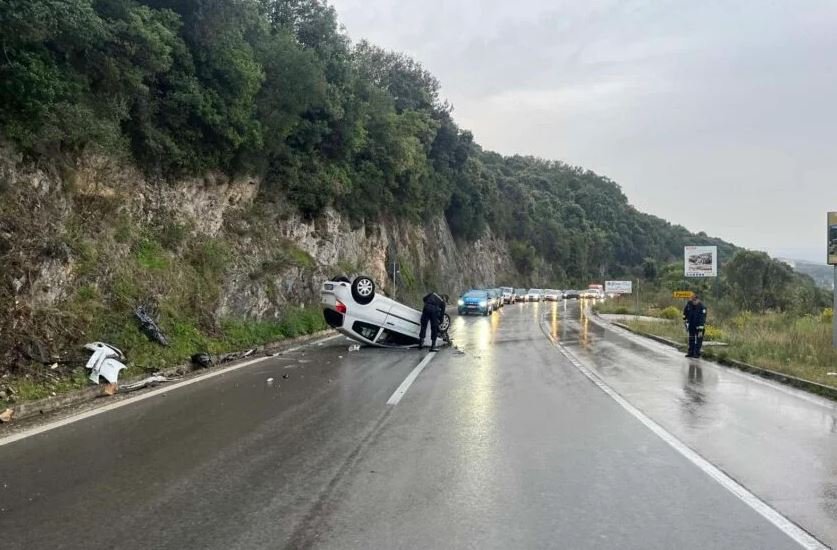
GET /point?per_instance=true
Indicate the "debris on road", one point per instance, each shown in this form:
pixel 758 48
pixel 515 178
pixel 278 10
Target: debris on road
pixel 151 381
pixel 285 376
pixel 202 360
pixel 354 347
pixel 149 326
pixel 249 352
pixel 110 390
pixel 7 415
pixel 105 362
pixel 269 381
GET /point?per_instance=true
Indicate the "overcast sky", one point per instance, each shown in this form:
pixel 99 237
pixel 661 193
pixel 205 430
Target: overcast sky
pixel 721 116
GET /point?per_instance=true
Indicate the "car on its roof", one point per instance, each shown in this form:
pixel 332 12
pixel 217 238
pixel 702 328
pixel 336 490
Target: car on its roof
pixel 358 311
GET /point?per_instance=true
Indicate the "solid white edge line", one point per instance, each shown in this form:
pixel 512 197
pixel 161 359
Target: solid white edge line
pixel 405 385
pixel 802 537
pixel 141 397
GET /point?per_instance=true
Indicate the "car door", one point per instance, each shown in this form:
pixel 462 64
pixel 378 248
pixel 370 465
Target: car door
pixel 403 319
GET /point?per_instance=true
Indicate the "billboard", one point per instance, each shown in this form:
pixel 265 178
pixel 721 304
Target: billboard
pixel 701 261
pixel 832 238
pixel 618 287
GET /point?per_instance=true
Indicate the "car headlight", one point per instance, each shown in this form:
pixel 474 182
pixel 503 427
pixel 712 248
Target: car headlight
pixel 483 303
pixel 461 302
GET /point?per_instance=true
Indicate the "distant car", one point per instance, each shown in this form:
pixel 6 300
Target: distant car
pixel 592 294
pixel 358 311
pixel 570 294
pixel 508 294
pixel 534 295
pixel 520 295
pixel 475 301
pixel 497 296
pixel 552 295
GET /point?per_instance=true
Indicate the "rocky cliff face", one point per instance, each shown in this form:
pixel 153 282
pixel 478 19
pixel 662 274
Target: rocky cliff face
pixel 99 237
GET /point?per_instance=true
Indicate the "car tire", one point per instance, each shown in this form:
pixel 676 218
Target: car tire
pixel 363 290
pixel 445 324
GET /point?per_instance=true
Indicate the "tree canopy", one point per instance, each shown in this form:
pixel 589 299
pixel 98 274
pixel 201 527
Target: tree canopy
pixel 275 88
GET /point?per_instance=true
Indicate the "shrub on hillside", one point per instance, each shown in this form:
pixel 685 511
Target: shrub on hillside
pixel 671 313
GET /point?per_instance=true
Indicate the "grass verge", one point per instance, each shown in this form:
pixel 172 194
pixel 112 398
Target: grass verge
pixel 793 345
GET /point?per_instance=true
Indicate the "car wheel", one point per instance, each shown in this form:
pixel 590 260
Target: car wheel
pixel 363 290
pixel 445 324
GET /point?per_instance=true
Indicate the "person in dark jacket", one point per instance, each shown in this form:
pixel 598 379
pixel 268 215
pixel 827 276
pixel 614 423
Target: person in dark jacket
pixel 433 311
pixel 694 315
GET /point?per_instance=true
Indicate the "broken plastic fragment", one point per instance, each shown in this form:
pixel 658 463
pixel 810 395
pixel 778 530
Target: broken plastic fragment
pixel 7 415
pixel 354 347
pixel 104 362
pixel 150 381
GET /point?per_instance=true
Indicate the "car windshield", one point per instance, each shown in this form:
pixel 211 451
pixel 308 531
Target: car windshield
pixel 475 294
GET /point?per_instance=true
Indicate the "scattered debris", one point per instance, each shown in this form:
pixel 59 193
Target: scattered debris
pixel 249 352
pixel 354 347
pixel 150 382
pixel 269 381
pixel 105 361
pixel 7 415
pixel 54 366
pixel 340 357
pixel 202 360
pixel 303 361
pixel 110 389
pixel 285 376
pixel 149 326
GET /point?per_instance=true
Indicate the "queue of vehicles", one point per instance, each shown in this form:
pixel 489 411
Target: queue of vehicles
pixel 487 301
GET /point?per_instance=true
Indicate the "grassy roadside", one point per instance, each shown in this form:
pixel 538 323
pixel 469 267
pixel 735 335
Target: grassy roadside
pixel 39 381
pixel 797 345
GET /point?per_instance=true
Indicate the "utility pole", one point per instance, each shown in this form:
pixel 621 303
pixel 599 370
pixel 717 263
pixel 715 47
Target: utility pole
pixel 637 295
pixel 394 271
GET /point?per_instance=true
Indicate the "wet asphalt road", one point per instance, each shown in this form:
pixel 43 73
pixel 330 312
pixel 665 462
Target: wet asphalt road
pixel 500 444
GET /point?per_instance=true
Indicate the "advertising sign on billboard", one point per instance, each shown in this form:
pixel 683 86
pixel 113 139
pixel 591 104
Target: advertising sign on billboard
pixel 618 287
pixel 701 261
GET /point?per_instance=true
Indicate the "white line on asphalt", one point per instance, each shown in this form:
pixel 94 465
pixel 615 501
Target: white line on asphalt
pixel 144 396
pixel 405 385
pixel 765 510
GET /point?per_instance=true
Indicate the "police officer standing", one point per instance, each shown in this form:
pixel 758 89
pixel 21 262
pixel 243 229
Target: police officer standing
pixel 694 315
pixel 433 311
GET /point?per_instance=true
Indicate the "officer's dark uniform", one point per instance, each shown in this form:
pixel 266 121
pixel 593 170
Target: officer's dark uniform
pixel 694 314
pixel 433 311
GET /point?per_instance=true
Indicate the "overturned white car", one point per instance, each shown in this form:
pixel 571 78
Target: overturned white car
pixel 358 311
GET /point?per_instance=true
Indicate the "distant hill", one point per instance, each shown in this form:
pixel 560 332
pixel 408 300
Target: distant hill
pixel 822 274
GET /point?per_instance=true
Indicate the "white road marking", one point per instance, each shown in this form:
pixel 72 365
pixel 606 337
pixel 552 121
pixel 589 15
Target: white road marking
pixel 762 508
pixel 141 397
pixel 405 385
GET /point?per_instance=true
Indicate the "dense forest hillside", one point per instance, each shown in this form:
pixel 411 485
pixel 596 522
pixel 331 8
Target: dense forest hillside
pixel 275 89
